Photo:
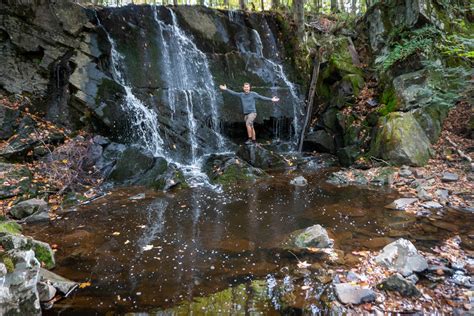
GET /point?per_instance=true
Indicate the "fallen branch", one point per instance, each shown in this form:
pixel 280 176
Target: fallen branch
pixel 459 151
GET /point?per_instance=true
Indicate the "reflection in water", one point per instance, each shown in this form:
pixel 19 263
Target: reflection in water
pixel 206 242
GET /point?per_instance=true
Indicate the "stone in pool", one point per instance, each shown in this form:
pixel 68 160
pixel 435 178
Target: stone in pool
pixel 397 283
pixel 312 237
pixel 402 256
pixel 401 204
pixel 353 294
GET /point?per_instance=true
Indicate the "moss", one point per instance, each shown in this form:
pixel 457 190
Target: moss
pixel 9 264
pixel 10 227
pixel 44 255
pixel 233 174
pixel 389 101
pixel 357 82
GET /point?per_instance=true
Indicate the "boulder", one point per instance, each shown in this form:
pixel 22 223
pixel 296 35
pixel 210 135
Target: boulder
pixel 18 292
pixel 162 176
pixel 131 166
pixel 353 294
pixel 398 283
pixel 400 140
pixel 403 257
pixel 259 157
pixel 312 237
pixel 28 207
pixel 229 169
pixel 42 250
pixel 320 141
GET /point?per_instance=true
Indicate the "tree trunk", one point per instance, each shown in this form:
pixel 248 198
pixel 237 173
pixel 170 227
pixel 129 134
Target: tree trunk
pixel 175 2
pixel 333 6
pixel 201 2
pixel 311 97
pixel 275 4
pixel 226 4
pixel 354 6
pixel 242 4
pixel 342 7
pixel 262 5
pixel 298 16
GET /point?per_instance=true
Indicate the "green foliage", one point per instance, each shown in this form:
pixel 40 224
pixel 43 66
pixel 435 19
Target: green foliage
pixel 411 42
pixel 389 101
pixel 457 46
pixel 10 227
pixel 44 255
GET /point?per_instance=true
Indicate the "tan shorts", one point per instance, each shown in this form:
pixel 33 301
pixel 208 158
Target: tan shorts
pixel 249 118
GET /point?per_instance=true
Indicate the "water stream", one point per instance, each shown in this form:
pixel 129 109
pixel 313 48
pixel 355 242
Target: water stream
pixel 198 249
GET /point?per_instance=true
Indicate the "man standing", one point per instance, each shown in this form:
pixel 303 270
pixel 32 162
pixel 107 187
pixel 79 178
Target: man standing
pixel 247 98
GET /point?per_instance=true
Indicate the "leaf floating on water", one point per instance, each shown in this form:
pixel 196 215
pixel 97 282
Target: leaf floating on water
pixel 116 233
pixel 84 285
pixel 303 264
pixel 147 247
pixel 126 242
pixel 305 287
pixel 141 226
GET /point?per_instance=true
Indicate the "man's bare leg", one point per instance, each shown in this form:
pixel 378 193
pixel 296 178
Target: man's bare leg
pixel 254 137
pixel 250 132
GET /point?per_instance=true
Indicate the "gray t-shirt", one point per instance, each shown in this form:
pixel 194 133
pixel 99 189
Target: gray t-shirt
pixel 248 100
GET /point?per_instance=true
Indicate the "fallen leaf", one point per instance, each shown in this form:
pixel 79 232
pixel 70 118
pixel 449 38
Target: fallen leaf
pixel 84 285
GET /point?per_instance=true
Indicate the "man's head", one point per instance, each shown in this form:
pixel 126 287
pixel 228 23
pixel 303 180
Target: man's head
pixel 246 87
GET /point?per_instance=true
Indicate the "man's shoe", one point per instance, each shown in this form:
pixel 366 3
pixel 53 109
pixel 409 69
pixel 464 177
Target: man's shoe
pixel 249 142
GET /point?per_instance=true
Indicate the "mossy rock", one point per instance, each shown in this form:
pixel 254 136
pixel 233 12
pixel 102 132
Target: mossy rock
pixel 10 227
pixel 42 250
pixel 228 169
pixel 401 140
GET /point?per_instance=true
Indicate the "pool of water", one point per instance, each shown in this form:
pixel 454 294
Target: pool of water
pixel 167 249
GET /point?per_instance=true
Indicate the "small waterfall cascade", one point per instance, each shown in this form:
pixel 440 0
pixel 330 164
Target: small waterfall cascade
pixel 144 121
pixel 188 80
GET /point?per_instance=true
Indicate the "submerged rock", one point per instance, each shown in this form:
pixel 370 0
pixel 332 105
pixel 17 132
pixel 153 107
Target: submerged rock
pixel 398 283
pixel 29 207
pixel 312 237
pixel 353 294
pixel 402 256
pixel 401 204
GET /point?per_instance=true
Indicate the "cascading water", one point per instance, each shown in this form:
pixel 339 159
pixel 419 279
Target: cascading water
pixel 144 121
pixel 188 78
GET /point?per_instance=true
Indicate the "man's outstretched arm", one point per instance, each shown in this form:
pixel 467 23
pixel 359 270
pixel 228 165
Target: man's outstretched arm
pixel 261 97
pixel 223 87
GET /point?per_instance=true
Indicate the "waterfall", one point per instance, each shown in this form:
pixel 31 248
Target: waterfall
pixel 145 128
pixel 188 79
pixel 273 73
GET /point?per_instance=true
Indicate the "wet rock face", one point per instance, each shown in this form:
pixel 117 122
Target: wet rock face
pixel 27 208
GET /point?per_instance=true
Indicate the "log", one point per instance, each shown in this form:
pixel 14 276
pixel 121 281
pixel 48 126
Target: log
pixel 311 97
